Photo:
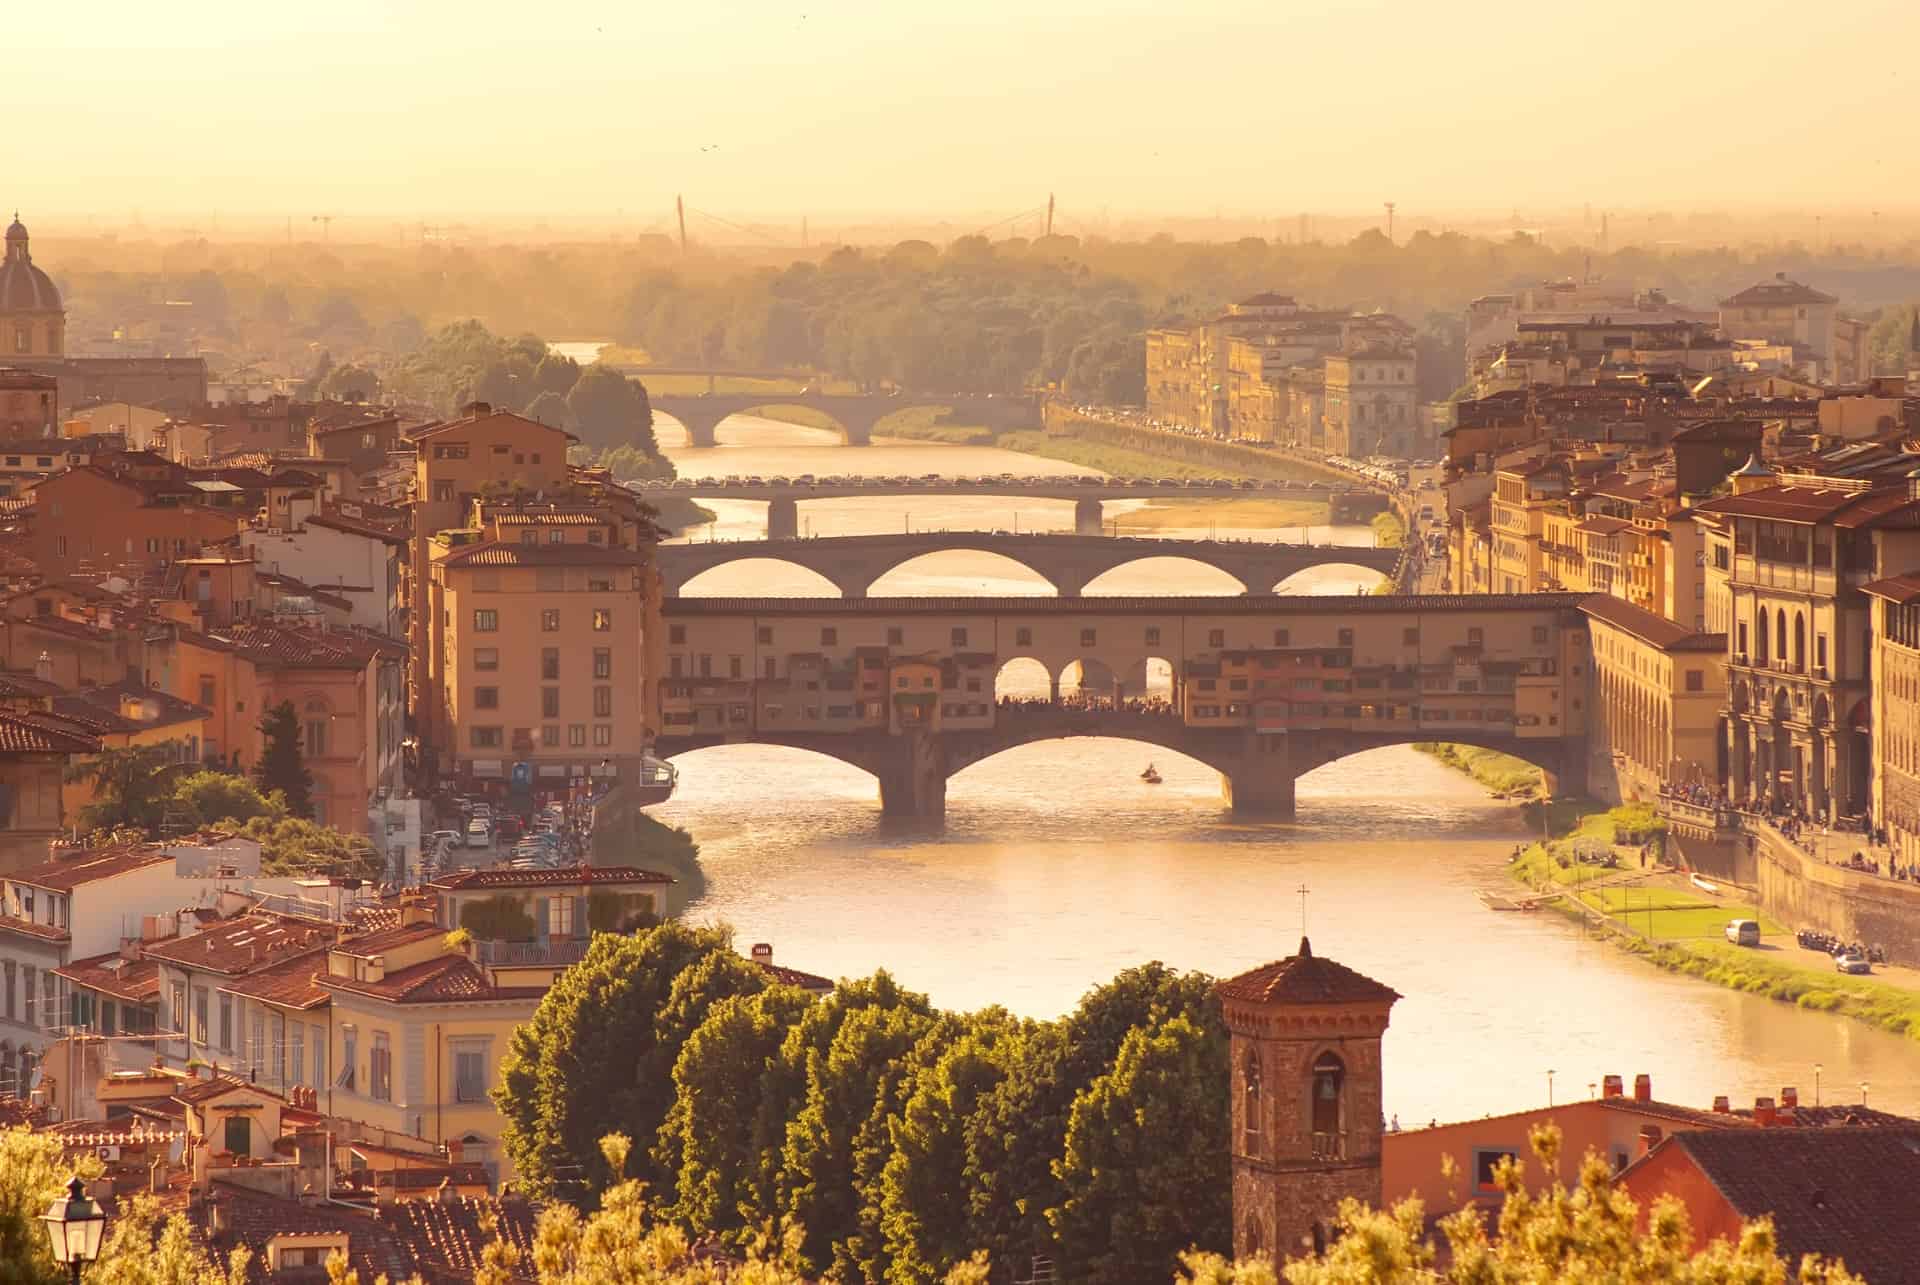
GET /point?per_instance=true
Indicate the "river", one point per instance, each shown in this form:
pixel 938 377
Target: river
pixel 1058 868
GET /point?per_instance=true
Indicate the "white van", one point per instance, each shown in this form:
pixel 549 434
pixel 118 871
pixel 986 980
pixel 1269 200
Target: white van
pixel 479 833
pixel 1743 932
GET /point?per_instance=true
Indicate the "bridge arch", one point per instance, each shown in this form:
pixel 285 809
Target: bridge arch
pixel 1030 581
pixel 1023 678
pixel 1110 582
pixel 1044 750
pixel 1313 579
pixel 766 747
pixel 731 579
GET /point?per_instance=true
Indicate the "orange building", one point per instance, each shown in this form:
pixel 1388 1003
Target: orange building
pixel 537 656
pixel 95 520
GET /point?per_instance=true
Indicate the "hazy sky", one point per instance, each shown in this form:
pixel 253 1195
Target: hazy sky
pixel 883 106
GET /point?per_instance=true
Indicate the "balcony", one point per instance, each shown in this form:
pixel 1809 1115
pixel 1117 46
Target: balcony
pixel 1330 1146
pixel 530 954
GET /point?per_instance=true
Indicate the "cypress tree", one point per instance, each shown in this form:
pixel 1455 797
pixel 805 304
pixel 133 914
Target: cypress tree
pixel 282 766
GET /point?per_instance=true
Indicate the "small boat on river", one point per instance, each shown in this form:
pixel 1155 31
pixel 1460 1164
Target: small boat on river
pixel 1150 776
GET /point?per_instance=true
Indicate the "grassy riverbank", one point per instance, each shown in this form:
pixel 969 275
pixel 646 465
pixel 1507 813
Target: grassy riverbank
pixel 1500 773
pixel 1679 927
pixel 624 835
pixel 1389 532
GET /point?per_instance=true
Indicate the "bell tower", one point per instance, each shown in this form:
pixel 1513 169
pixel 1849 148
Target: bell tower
pixel 1306 1099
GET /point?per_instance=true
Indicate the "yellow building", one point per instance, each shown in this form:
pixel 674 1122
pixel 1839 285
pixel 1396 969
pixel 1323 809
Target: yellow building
pixel 1656 695
pixel 1896 721
pixel 1522 496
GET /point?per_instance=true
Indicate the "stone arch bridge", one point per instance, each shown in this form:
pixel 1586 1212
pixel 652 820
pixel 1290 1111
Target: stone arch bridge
pixel 1067 562
pixel 1264 689
pixel 855 415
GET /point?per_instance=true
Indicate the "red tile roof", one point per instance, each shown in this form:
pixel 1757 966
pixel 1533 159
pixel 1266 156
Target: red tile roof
pixel 247 944
pixel 291 984
pixel 136 980
pixel 450 979
pixel 43 733
pixel 1648 626
pixel 27 928
pixel 1837 1192
pixel 1305 978
pixel 274 646
pixel 1899 590
pixel 501 553
pixel 76 866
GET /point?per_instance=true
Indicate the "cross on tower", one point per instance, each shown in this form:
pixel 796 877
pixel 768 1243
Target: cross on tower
pixel 1303 890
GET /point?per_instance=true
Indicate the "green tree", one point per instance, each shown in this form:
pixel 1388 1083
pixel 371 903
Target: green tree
pixel 282 767
pixel 350 383
pixel 710 1138
pixel 209 798
pixel 551 408
pixel 612 410
pixel 295 846
pixel 1146 1169
pixel 143 1248
pixel 129 784
pixel 33 1173
pixel 574 1072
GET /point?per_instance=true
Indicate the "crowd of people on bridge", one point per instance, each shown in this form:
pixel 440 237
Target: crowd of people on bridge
pixel 1091 703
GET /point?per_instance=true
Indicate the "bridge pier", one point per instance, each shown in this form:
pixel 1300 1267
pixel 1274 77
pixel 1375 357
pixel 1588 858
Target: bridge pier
pixel 783 519
pixel 913 778
pixel 1261 783
pixel 1087 519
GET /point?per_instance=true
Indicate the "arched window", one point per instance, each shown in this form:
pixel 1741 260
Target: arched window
pixel 1250 1076
pixel 1780 634
pixel 1329 1088
pixel 318 717
pixel 1799 642
pixel 1761 637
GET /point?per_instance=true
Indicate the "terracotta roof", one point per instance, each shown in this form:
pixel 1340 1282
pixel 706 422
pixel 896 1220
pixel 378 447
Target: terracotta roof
pixel 137 980
pixel 378 943
pixel 1603 525
pixel 1840 1193
pixel 295 648
pixel 28 928
pixel 450 979
pixel 1899 590
pixel 1649 626
pixel 102 705
pixel 42 733
pixel 1773 293
pixel 468 421
pixel 254 1218
pixel 338 521
pixel 77 866
pixel 247 944
pixel 547 878
pixel 446 1236
pixel 216 1086
pixel 501 553
pixel 1806 504
pixel 1304 978
pixel 290 984
pixel 794 977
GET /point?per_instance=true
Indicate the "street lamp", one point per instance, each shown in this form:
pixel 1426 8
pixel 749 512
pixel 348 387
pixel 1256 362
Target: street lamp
pixel 1816 1084
pixel 74 1226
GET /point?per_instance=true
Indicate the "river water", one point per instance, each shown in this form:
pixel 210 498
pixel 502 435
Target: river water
pixel 1058 867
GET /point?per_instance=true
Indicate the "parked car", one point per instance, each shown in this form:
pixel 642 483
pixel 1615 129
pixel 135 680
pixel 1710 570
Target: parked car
pixel 1743 932
pixel 1849 962
pixel 479 833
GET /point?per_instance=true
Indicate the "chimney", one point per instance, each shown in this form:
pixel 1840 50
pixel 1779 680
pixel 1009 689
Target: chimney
pixel 1649 1137
pixel 1722 1105
pixel 475 410
pixel 763 953
pixel 43 668
pixel 1789 1098
pixel 416 912
pixel 1763 1114
pixel 376 969
pixel 1643 1088
pixel 1610 1087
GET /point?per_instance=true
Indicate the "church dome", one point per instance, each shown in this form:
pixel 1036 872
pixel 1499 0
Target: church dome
pixel 23 287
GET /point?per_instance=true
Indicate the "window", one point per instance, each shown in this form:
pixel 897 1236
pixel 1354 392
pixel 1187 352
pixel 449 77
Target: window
pixel 576 734
pixel 237 1135
pixel 1023 637
pixel 550 702
pixel 451 451
pixel 1696 681
pixel 469 1074
pixel 1281 638
pixel 1345 637
pixel 380 1069
pixel 349 1057
pixel 206 691
pixel 550 735
pixel 176 1002
pixel 603 702
pixel 1216 637
pixel 550 620
pixel 1089 637
pixel 317 736
pixel 764 635
pixel 958 637
pixel 1476 636
pixel 1153 635
pixel 1485 1161
pixel 486 698
pixel 602 620
pixel 829 637
pixel 896 636
pixel 550 664
pixel 486 658
pixel 1539 633
pixel 199 1012
pixel 560 917
pixel 1329 1081
pixel 485 738
pixel 297 1051
pixel 602 663
pixel 486 621
pixel 226 1023
pixel 735 666
pixel 602 734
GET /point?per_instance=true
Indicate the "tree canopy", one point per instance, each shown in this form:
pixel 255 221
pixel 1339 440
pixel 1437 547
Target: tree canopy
pixel 282 768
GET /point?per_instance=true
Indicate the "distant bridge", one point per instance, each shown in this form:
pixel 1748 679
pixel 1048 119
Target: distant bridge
pixel 1067 562
pixel 854 414
pixel 1263 690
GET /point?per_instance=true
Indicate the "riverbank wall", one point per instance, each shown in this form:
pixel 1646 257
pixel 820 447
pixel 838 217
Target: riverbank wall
pixel 624 835
pixel 1802 891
